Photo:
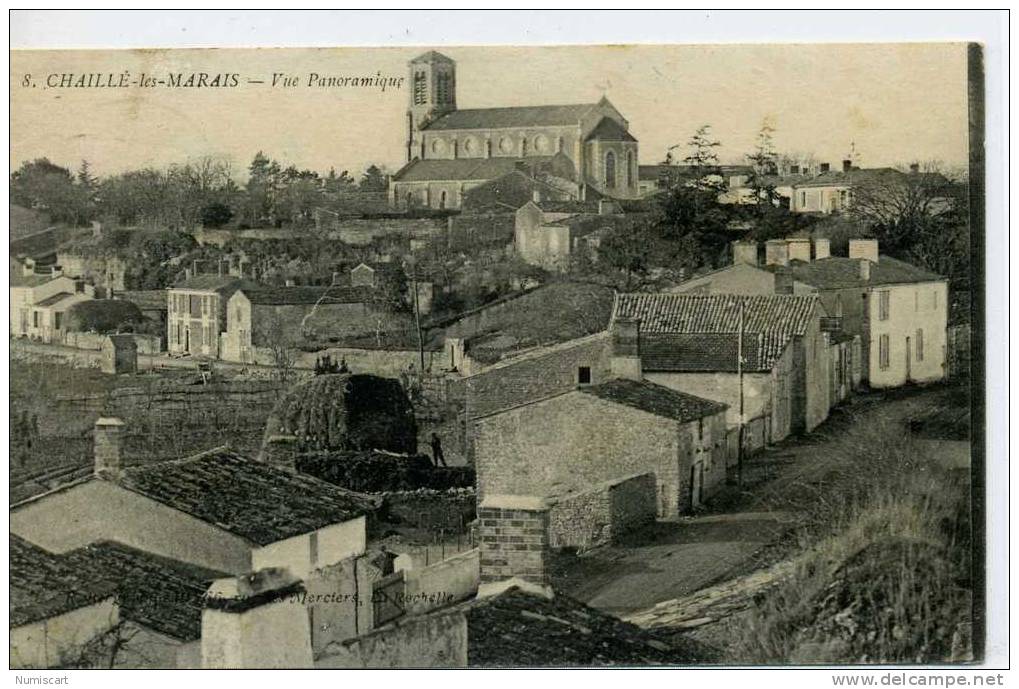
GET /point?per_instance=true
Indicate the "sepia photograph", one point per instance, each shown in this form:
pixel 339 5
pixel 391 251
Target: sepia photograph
pixel 447 355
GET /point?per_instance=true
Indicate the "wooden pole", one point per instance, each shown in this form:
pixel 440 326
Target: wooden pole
pixel 739 374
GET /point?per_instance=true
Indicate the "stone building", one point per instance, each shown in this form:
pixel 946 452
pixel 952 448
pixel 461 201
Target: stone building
pixel 451 150
pixel 119 354
pixel 196 313
pixel 39 304
pixel 898 312
pixel 623 427
pixel 215 510
pixel 692 342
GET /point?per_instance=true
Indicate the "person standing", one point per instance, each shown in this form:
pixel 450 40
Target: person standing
pixel 437 457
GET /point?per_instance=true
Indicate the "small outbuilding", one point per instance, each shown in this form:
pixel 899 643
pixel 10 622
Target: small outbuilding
pixel 119 354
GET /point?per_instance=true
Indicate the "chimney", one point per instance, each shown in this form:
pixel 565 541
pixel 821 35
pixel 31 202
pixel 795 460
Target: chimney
pixel 536 196
pixel 776 252
pixel 822 248
pixel 625 361
pixel 187 273
pixel 825 167
pixel 106 446
pixel 799 249
pixel 194 267
pixel 794 169
pixel 256 621
pixel 744 253
pixel 336 278
pixel 289 282
pixel 847 165
pixel 514 538
pixel 56 271
pixel 864 270
pixel 864 248
pixel 914 168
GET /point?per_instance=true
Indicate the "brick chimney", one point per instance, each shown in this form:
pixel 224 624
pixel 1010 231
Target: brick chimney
pixel 256 621
pixel 799 249
pixel 625 362
pixel 864 248
pixel 106 446
pixel 776 252
pixel 822 248
pixel 825 167
pixel 864 269
pixel 744 253
pixel 847 165
pixel 514 538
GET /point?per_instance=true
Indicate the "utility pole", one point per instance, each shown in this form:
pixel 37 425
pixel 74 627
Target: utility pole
pixel 417 313
pixel 739 375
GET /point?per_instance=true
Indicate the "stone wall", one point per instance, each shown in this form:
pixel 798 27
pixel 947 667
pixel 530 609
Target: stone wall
pixel 438 640
pixel 533 376
pixel 573 441
pixel 603 514
pixel 514 532
pixel 454 579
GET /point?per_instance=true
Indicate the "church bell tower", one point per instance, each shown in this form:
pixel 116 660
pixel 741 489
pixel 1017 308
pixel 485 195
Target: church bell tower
pixel 432 94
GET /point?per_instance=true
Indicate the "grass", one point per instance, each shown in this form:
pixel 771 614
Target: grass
pixel 886 577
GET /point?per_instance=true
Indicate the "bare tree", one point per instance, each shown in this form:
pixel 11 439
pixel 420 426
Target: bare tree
pixel 281 342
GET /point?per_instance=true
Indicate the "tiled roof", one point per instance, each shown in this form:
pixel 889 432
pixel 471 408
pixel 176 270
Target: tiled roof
pixel 159 593
pixel 54 299
pixel 654 399
pixel 717 313
pixel 520 629
pixel 705 352
pixel 609 130
pixel 840 178
pixel 839 271
pixel 256 501
pixel 464 168
pixel 43 584
pixel 306 295
pixel 502 118
pixel 431 56
pixel 224 284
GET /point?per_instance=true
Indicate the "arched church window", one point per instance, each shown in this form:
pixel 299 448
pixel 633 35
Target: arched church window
pixel 442 201
pixel 488 148
pixel 523 147
pixel 610 169
pixel 559 145
pixel 630 176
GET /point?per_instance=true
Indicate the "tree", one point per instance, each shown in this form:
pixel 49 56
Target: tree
pixel 373 180
pixel 216 214
pixel 764 163
pixel 281 342
pixel 41 185
pixel 703 159
pixel 626 249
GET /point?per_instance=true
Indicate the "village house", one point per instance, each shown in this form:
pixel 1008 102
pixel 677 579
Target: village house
pixel 39 304
pixel 451 150
pixel 693 343
pixel 215 510
pixel 898 311
pixel 654 179
pixel 832 192
pixel 550 234
pixel 590 433
pixel 196 313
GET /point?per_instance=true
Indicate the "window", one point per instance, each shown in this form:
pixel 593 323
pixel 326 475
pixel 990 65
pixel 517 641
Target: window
pixel 442 201
pixel 883 305
pixel 803 199
pixel 559 145
pixel 35 319
pixel 584 375
pixel 419 88
pixel 56 320
pixel 935 298
pixel 838 306
pixel 630 176
pixel 919 344
pixel 610 170
pixel 882 352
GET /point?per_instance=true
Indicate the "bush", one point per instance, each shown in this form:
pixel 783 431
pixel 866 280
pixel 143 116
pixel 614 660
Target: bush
pixel 887 575
pixel 104 316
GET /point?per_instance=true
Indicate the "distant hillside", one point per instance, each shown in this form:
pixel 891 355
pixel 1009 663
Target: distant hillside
pixel 25 221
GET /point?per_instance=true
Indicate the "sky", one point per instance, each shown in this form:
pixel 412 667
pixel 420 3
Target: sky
pixel 895 102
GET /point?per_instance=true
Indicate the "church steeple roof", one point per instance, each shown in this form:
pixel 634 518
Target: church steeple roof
pixel 430 57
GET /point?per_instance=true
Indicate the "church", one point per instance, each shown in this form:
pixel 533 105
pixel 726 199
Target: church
pixel 579 152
